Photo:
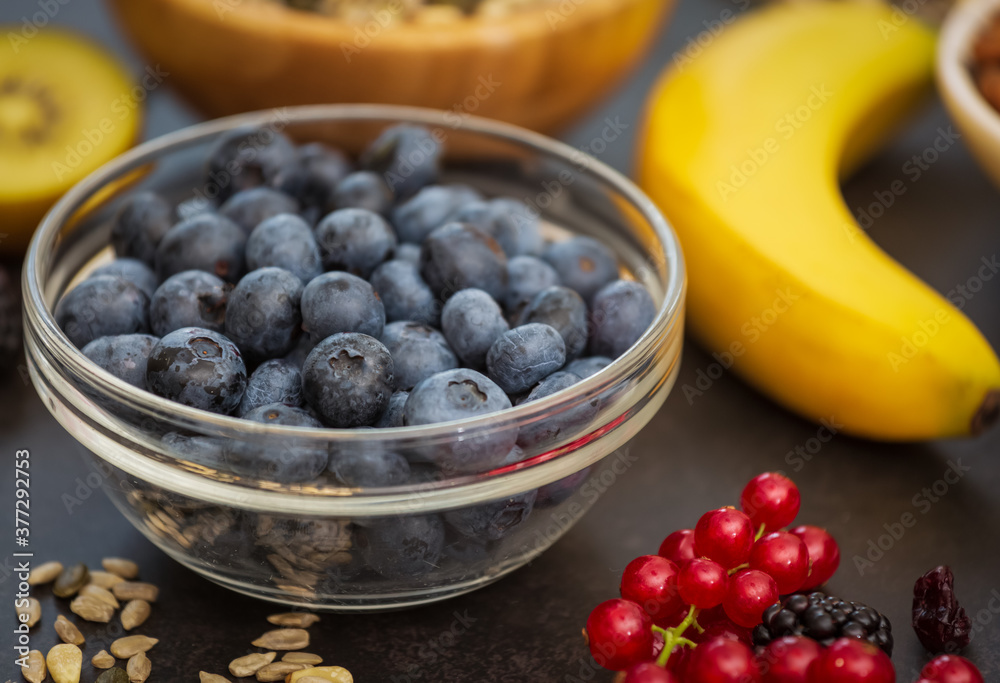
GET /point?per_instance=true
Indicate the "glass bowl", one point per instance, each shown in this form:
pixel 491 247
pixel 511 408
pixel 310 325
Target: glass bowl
pixel 319 544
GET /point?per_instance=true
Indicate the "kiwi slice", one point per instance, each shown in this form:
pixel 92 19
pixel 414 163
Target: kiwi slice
pixel 66 108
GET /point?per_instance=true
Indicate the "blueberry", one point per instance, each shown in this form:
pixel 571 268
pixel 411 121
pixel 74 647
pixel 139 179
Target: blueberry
pixel 347 379
pixel 406 156
pixel 402 547
pixel 249 208
pixel 312 176
pixel 583 264
pixel 133 270
pixel 201 450
pixel 263 315
pixel 124 356
pixel 404 293
pixel 290 460
pixel 492 520
pixel 526 277
pixel 524 356
pixel 585 367
pixel 472 321
pixel 274 381
pixel 407 251
pixel 206 242
pixel 418 351
pixel 508 221
pixel 139 225
pixel 303 346
pixel 562 308
pixel 198 368
pixel 369 467
pixel 457 395
pixel 458 256
pixel 341 302
pixel 354 240
pixel 393 415
pixel 363 190
pixel 557 426
pixel 468 551
pixel 244 158
pixel 559 491
pixel 623 311
pixel 102 306
pixel 193 298
pixel 429 209
pixel 285 241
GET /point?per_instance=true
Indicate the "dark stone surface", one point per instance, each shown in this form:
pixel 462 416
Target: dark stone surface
pixel 690 458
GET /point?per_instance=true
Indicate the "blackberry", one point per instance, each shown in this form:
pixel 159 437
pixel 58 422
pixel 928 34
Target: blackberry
pixel 823 618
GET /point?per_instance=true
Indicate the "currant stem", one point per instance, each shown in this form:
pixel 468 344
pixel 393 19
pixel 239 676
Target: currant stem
pixel 745 565
pixel 675 636
pixel 760 533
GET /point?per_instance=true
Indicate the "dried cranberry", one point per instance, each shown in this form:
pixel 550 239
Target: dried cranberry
pixel 941 624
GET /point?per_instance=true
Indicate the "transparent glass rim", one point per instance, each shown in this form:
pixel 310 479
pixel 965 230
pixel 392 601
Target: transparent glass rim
pixel 72 361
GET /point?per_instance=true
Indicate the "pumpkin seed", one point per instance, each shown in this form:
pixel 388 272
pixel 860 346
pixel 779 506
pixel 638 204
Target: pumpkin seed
pixel 102 594
pixel 70 581
pixel 35 671
pixel 127 569
pixel 138 667
pixel 135 590
pixel 277 671
pixel 45 573
pixel 105 579
pixel 124 648
pixel 283 639
pixel 114 675
pixel 102 660
pixel 68 632
pixel 29 612
pixel 64 663
pixel 248 665
pixel 204 677
pixel 322 674
pixel 90 608
pixel 307 658
pixel 294 619
pixel 134 614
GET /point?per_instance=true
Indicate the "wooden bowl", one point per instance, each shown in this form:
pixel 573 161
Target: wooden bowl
pixel 538 68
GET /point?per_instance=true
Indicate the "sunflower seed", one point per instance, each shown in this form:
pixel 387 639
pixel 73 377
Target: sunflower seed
pixel 138 667
pixel 248 665
pixel 135 590
pixel 127 569
pixel 114 675
pixel 71 580
pixel 64 663
pixel 105 579
pixel 102 594
pixel 204 677
pixel 28 611
pixel 124 648
pixel 283 639
pixel 294 619
pixel 307 658
pixel 276 671
pixel 322 674
pixel 102 660
pixel 134 614
pixel 67 631
pixel 90 608
pixel 35 671
pixel 45 573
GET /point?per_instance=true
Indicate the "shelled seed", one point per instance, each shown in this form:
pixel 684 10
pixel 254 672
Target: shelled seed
pixel 28 611
pixel 102 594
pixel 205 677
pixel 248 665
pixel 102 660
pixel 135 590
pixel 91 609
pixel 124 648
pixel 64 663
pixel 322 674
pixel 68 632
pixel 45 573
pixel 307 658
pixel 70 581
pixel 277 671
pixel 138 667
pixel 127 569
pixel 35 671
pixel 283 639
pixel 134 614
pixel 293 619
pixel 105 579
pixel 114 675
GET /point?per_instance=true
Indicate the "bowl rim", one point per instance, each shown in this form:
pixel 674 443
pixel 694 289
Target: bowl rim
pixel 40 319
pixel 964 22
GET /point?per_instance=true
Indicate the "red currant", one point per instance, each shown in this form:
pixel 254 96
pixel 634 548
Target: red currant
pixel 787 660
pixel 651 581
pixel 749 593
pixel 824 555
pixel 678 547
pixel 724 535
pixel 620 634
pixel 722 661
pixel 850 660
pixel 723 629
pixel 771 499
pixel 702 583
pixel 951 669
pixel 783 556
pixel 649 672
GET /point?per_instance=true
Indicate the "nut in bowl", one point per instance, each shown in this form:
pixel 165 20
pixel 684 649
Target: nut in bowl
pixel 331 459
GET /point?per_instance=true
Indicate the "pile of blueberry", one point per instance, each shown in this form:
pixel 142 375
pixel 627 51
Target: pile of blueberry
pixel 321 292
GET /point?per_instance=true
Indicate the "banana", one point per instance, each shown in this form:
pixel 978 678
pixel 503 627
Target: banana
pixel 743 149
